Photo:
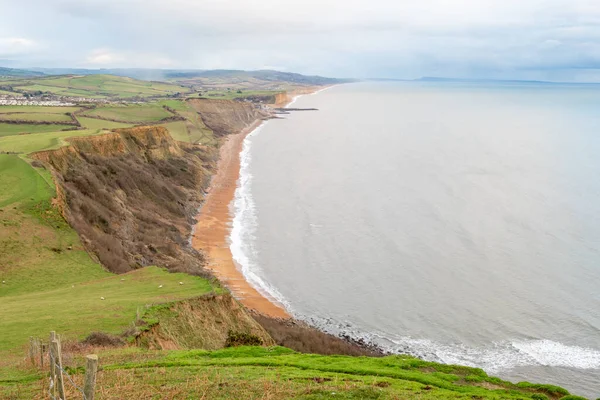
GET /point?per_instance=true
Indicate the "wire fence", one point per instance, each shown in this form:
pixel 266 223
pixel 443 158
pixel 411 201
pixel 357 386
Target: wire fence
pixel 58 374
pixel 65 373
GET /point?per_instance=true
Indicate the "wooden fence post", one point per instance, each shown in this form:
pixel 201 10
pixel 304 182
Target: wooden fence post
pixel 42 350
pixel 57 361
pixel 31 350
pixel 90 376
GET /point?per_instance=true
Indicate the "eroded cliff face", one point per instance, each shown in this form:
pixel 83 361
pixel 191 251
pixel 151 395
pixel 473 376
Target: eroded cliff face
pixel 132 195
pixel 200 323
pixel 226 117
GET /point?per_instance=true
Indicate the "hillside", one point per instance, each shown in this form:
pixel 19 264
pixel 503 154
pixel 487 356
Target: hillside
pixel 92 87
pixel 280 373
pixel 13 72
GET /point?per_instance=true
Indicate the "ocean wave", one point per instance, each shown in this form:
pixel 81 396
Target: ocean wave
pixel 244 225
pixel 493 358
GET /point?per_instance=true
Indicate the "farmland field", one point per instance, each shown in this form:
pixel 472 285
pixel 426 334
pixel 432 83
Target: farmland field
pixel 35 117
pixel 195 129
pixel 37 109
pixel 4 92
pixel 97 86
pixel 95 123
pixel 40 141
pixel 7 130
pixel 177 130
pixel 130 113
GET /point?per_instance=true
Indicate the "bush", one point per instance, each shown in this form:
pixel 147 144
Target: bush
pixel 538 396
pixel 242 339
pixel 103 339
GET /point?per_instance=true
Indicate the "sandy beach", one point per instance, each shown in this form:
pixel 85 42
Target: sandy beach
pixel 214 221
pixel 213 227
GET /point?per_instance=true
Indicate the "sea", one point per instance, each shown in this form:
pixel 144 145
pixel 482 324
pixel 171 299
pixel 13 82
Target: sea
pixel 454 221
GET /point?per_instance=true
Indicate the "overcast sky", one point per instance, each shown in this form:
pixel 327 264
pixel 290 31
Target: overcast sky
pixel 513 39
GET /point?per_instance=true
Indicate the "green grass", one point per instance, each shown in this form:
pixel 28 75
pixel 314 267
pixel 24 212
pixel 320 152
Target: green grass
pixel 40 141
pixel 193 129
pixel 75 308
pixel 178 130
pixel 94 123
pixel 97 86
pixel 20 181
pixel 257 372
pixel 13 94
pixel 17 129
pixel 37 109
pixel 176 105
pixel 233 94
pixel 131 113
pixel 36 117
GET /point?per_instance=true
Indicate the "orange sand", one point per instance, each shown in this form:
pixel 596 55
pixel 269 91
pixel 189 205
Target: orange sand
pixel 213 227
pixel 214 221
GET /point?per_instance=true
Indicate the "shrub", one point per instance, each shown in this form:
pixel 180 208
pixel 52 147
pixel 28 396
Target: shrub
pixel 242 339
pixel 103 339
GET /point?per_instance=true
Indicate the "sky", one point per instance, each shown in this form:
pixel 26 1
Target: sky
pixel 557 40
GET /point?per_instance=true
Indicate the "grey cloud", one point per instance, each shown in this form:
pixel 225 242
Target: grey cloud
pixel 349 38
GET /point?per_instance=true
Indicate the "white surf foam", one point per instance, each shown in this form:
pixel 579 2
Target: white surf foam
pixel 244 225
pixel 294 99
pixel 493 358
pixel 322 90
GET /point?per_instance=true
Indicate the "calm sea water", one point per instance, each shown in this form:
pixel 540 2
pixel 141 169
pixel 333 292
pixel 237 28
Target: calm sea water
pixel 456 222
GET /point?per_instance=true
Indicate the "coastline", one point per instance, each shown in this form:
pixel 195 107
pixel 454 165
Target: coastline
pixel 213 227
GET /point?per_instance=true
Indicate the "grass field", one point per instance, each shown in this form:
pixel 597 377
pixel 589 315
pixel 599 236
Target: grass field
pixel 193 130
pixel 33 113
pixel 20 181
pixel 41 141
pixel 75 308
pixel 37 109
pixel 13 94
pixel 178 130
pixel 130 113
pixel 97 86
pixel 35 117
pixel 233 94
pixel 279 373
pixel 94 123
pixel 17 129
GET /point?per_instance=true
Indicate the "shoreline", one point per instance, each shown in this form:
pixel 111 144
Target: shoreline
pixel 213 227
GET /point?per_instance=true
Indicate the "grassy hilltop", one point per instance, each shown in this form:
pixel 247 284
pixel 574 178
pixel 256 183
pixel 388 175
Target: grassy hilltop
pixel 49 280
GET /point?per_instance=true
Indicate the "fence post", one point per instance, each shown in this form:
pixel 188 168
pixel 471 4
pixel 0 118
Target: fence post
pixel 42 350
pixel 31 350
pixel 57 361
pixel 90 376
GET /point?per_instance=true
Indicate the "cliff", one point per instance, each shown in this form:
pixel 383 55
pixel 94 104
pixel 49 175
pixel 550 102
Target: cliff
pixel 132 195
pixel 201 323
pixel 225 117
